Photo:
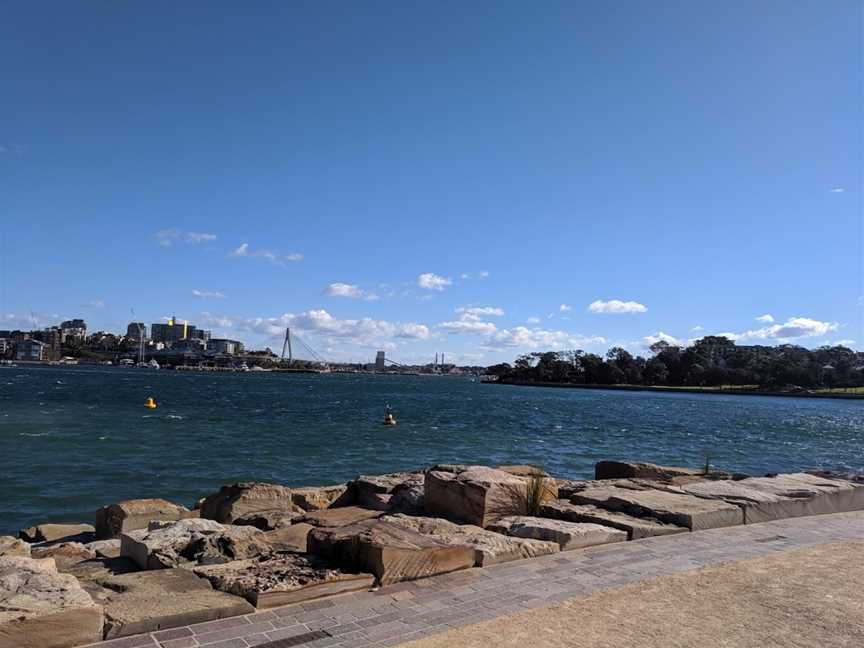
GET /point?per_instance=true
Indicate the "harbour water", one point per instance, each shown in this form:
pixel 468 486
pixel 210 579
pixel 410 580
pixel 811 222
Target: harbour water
pixel 75 438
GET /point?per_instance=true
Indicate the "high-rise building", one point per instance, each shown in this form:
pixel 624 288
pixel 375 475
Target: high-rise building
pixel 173 330
pixel 73 330
pixel 379 361
pixel 136 330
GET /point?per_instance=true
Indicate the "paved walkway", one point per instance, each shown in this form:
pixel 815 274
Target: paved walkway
pixel 407 611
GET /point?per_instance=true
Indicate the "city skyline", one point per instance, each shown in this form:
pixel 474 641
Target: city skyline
pixel 480 180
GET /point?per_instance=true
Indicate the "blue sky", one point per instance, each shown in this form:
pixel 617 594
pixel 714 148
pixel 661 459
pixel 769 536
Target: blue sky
pixel 468 178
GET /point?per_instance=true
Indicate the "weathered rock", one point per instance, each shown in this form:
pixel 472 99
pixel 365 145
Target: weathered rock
pixel 131 515
pixel 376 491
pixel 283 579
pixel 391 552
pixel 57 532
pixel 105 548
pixel 236 500
pixel 635 527
pixel 321 497
pixel 489 547
pixel 10 546
pixel 193 541
pixel 338 517
pixel 772 498
pixel 695 513
pixel 64 554
pixel 268 520
pixel 408 498
pixel 291 538
pixel 158 600
pixel 524 470
pixel 568 535
pixel 40 608
pixel 640 470
pixel 477 495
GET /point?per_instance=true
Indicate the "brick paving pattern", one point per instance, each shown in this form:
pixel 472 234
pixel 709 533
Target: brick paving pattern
pixel 410 610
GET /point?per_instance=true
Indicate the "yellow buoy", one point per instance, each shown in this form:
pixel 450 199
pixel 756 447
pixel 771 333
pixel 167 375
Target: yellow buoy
pixel 150 403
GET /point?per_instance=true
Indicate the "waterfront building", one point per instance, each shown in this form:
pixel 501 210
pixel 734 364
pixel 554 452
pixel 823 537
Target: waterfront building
pixel 32 350
pixel 379 361
pixel 223 345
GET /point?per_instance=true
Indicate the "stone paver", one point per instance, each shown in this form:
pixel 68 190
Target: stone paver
pixel 411 610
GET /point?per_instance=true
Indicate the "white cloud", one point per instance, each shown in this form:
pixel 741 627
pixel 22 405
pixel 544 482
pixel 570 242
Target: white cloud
pixel 565 308
pixel 525 338
pixel 468 326
pixel 364 331
pixel 616 306
pixel 94 303
pixel 200 237
pixel 532 320
pixel 837 190
pixel 272 257
pixel 431 281
pixel 660 336
pixel 765 319
pixel 792 329
pixel 476 312
pixel 241 251
pixel 208 294
pixel 846 343
pixel 696 328
pixel 166 237
pixel 349 291
pixel 484 274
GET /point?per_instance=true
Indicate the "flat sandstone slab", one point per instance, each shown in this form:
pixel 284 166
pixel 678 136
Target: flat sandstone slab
pixel 695 513
pixel 568 535
pixel 157 600
pixel 55 532
pixel 392 552
pixel 793 495
pixel 635 527
pixel 283 579
pixel 490 548
pixel 40 608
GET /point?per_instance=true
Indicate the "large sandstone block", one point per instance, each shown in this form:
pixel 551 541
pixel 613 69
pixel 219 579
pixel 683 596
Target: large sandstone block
pixel 40 608
pixel 476 495
pixel 392 553
pixel 157 600
pixel 338 517
pixel 490 548
pixel 10 546
pixel 131 515
pixel 635 527
pixel 384 492
pixel 193 541
pixel 283 579
pixel 772 498
pixel 321 497
pixel 695 513
pixel 236 500
pixel 57 532
pixel 639 470
pixel 568 535
pixel 292 538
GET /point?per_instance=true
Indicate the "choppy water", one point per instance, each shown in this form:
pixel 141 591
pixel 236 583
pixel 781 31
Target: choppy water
pixel 75 438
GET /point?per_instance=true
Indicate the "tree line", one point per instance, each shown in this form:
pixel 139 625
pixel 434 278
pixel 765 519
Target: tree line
pixel 709 362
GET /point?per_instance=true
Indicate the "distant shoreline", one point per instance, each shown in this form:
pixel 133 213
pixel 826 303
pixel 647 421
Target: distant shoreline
pixel 686 390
